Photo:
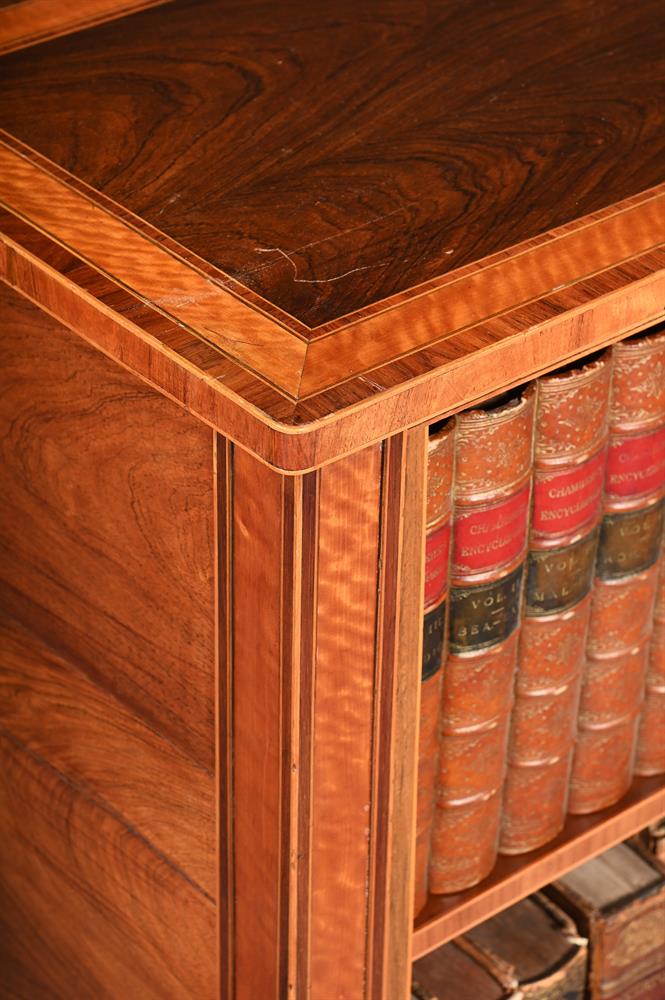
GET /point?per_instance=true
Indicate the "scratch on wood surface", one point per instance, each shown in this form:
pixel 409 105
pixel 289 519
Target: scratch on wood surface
pixel 316 281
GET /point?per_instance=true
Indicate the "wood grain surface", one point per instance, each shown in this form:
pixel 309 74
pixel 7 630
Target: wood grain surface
pixel 108 847
pixel 319 720
pixel 260 733
pixel 395 766
pixel 344 694
pixel 330 157
pixel 87 908
pixel 106 526
pixel 453 371
pixel 99 745
pixel 312 254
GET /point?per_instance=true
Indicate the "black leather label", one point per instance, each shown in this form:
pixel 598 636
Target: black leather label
pixel 559 578
pixel 630 542
pixel 485 615
pixel 433 635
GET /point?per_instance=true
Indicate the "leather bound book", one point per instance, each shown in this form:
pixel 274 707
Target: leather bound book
pixel 531 951
pixel 618 901
pixel 492 490
pixel 625 577
pixel 653 839
pixel 460 971
pixel 437 550
pixel 540 948
pixel 569 468
pixel 650 757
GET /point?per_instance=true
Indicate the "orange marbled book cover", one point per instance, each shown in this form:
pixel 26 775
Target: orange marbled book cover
pixel 650 757
pixel 625 577
pixel 440 455
pixel 569 468
pixel 493 465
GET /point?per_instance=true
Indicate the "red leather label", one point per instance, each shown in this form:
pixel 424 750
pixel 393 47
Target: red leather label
pixel 491 536
pixel 564 501
pixel 636 464
pixel 437 549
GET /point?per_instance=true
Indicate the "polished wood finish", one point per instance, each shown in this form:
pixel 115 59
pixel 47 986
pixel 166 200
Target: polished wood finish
pixel 400 643
pixel 203 262
pixel 96 742
pixel 28 22
pixel 331 158
pixel 107 821
pixel 515 877
pixel 87 908
pixel 309 231
pixel 322 733
pixel 453 371
pixel 128 507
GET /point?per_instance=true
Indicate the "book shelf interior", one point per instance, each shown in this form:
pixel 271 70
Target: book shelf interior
pixel 513 878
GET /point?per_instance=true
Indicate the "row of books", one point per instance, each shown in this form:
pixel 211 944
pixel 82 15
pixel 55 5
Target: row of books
pixel 543 675
pixel 598 932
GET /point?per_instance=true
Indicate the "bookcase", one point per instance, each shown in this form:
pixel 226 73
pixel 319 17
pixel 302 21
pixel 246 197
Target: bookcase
pixel 248 256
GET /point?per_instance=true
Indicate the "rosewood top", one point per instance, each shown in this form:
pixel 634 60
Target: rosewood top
pixel 294 216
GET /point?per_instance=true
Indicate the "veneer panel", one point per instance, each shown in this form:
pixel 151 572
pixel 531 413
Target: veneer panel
pixel 86 907
pixel 346 600
pixel 33 21
pixel 94 742
pixel 106 525
pixel 259 692
pixel 328 157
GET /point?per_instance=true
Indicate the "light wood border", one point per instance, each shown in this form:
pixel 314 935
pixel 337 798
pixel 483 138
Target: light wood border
pixel 318 719
pixel 296 404
pixel 32 21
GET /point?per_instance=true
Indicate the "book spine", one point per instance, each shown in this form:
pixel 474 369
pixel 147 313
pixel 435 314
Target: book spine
pixel 625 577
pixel 494 457
pixel 440 458
pixel 653 839
pixel 562 979
pixel 626 941
pixel 630 950
pixel 650 757
pixel 569 468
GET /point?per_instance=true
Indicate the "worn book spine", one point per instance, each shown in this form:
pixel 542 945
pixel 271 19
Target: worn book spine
pixel 653 839
pixel 507 942
pixel 494 457
pixel 459 970
pixel 626 941
pixel 569 468
pixel 650 757
pixel 625 577
pixel 437 551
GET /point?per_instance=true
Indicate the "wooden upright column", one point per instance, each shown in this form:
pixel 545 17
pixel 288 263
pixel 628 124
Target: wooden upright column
pixel 320 578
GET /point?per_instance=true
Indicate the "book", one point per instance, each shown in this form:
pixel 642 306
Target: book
pixel 653 839
pixel 491 495
pixel 625 577
pixel 440 456
pixel 618 901
pixel 650 757
pixel 531 951
pixel 539 945
pixel 569 468
pixel 459 971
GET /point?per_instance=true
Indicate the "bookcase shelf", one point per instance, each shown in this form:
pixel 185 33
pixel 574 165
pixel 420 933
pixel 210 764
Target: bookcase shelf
pixel 513 878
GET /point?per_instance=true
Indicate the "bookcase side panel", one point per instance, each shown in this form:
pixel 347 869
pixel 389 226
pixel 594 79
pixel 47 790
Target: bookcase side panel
pixel 107 789
pixel 321 593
